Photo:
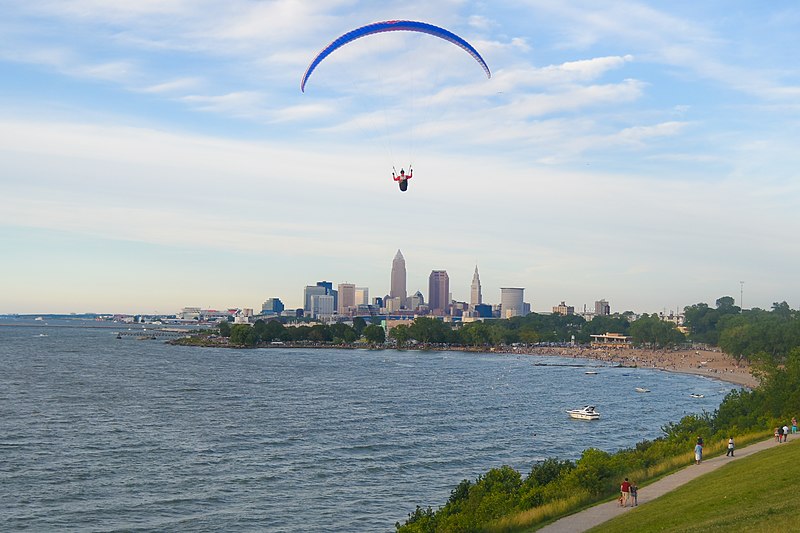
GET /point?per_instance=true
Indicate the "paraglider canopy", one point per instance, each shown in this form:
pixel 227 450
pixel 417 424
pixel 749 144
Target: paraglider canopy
pixel 393 25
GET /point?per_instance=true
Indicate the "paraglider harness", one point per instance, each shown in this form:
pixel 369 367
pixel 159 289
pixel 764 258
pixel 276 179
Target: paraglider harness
pixel 403 177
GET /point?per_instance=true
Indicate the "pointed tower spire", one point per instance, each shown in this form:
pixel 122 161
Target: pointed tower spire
pixel 398 281
pixel 475 296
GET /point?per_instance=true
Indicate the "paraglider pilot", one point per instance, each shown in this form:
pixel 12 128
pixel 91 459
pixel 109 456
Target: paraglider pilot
pixel 403 178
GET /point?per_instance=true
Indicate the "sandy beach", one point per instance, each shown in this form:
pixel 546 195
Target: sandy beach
pixel 710 363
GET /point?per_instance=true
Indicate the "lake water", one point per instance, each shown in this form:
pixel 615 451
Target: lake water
pixel 101 434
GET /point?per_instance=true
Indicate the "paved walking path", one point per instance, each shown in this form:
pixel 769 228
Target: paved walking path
pixel 593 516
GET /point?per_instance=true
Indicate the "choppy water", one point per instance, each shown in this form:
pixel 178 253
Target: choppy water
pixel 100 434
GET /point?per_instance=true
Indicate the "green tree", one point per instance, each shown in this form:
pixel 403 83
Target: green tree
pixel 358 325
pixel 243 335
pixel 224 328
pixel 375 334
pixel 319 333
pixel 429 330
pixel 400 334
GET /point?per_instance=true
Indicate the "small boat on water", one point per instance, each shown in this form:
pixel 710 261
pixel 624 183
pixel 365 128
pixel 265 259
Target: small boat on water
pixel 590 372
pixel 587 412
pixel 695 395
pixel 641 389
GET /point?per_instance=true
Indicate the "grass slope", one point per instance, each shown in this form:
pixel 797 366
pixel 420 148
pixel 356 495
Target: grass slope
pixel 753 494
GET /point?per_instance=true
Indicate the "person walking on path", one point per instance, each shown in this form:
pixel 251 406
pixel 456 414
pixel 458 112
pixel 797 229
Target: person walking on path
pixel 625 488
pixel 634 490
pixel 785 433
pixel 794 425
pixel 730 447
pixel 698 453
pixel 777 435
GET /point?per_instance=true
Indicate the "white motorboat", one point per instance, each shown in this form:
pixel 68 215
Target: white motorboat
pixel 587 412
pixel 591 372
pixel 694 395
pixel 641 389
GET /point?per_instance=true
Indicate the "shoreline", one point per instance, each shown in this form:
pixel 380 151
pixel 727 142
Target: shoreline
pixel 710 363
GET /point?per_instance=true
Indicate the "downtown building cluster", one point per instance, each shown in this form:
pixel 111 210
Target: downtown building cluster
pixel 325 302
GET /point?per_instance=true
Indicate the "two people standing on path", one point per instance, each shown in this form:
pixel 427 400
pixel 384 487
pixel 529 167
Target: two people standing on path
pixel 629 492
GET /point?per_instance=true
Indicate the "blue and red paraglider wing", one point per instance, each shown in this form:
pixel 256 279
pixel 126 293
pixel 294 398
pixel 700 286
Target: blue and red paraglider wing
pixel 393 25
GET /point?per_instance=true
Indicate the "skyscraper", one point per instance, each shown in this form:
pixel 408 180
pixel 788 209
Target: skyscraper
pixel 362 295
pixel 602 308
pixel 398 285
pixel 347 298
pixel 438 292
pixel 475 296
pixel 511 303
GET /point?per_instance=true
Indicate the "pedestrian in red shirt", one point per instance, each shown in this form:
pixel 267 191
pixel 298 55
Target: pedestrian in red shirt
pixel 625 488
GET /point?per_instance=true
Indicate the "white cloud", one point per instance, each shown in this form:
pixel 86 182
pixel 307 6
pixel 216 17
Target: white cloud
pixel 176 85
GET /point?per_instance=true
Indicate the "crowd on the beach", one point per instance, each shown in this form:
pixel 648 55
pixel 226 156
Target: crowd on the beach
pixel 702 362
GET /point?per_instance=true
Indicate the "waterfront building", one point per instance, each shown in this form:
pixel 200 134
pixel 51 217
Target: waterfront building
pixel 601 308
pixel 398 281
pixel 322 306
pixel 511 302
pixel 564 309
pixel 309 292
pixel 190 313
pixel 272 306
pixel 347 298
pixel 475 296
pixel 321 288
pixel 439 292
pixel 611 340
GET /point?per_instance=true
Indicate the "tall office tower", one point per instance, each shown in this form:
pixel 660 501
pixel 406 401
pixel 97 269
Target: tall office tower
pixel 439 292
pixel 347 298
pixel 475 297
pixel 330 290
pixel 602 308
pixel 322 306
pixel 308 292
pixel 362 296
pixel 511 303
pixel 398 285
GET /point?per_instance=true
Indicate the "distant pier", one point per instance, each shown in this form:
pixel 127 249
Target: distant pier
pixel 144 334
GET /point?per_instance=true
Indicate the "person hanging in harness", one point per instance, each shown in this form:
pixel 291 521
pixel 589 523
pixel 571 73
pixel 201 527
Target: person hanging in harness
pixel 403 178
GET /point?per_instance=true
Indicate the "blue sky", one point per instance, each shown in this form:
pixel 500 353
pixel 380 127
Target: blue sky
pixel 159 154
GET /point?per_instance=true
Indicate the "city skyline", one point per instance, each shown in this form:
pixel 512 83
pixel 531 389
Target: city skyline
pixel 161 154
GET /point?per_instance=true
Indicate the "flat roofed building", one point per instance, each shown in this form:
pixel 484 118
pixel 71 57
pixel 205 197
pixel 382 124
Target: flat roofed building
pixel 564 309
pixel 438 292
pixel 511 301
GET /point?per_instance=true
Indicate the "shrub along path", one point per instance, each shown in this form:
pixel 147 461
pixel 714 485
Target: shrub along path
pixel 593 516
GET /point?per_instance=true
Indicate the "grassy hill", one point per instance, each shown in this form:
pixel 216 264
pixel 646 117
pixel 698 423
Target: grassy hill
pixel 756 493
